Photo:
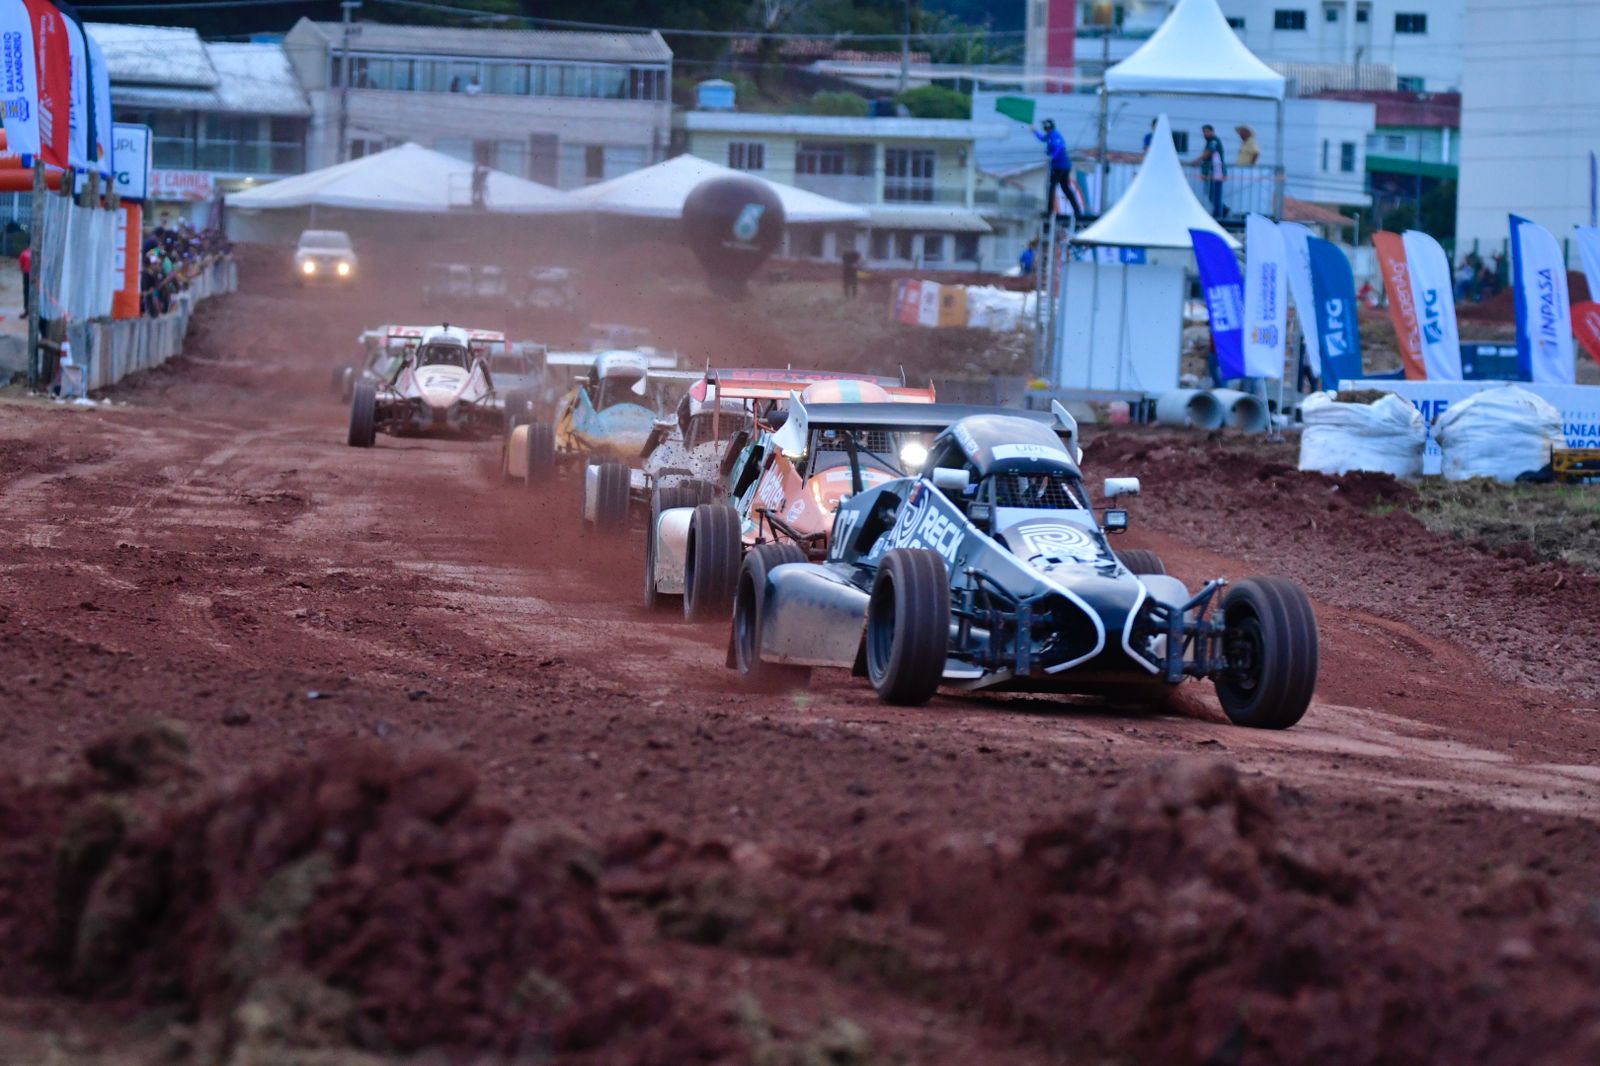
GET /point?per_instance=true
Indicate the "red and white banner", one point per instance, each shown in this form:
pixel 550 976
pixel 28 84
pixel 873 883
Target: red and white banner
pixel 78 51
pixel 1433 295
pixel 52 55
pixel 196 186
pixel 104 149
pixel 1402 306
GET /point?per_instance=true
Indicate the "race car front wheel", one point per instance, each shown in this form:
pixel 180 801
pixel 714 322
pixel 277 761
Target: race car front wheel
pixel 610 497
pixel 363 415
pixel 711 562
pixel 749 614
pixel 541 454
pixel 1271 651
pixel 1141 561
pixel 908 626
pixel 661 500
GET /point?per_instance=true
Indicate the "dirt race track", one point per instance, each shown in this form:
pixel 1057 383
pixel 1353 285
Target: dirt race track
pixel 315 754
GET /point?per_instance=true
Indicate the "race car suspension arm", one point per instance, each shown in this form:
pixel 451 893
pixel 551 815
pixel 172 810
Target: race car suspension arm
pixel 1020 617
pixel 806 541
pixel 1192 644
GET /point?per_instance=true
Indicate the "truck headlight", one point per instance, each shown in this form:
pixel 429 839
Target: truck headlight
pixel 308 266
pixel 344 269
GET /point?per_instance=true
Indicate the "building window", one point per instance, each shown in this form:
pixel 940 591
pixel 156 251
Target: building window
pixel 1330 13
pixel 1363 13
pixel 1180 141
pixel 594 162
pixel 1394 142
pixel 880 244
pixel 1410 23
pixel 508 79
pixel 812 158
pixel 1237 22
pixel 1324 156
pixel 1284 19
pixel 747 155
pixel 908 175
pixel 902 245
pixel 967 247
pixel 1347 157
pixel 1409 83
pixel 813 242
pixel 933 247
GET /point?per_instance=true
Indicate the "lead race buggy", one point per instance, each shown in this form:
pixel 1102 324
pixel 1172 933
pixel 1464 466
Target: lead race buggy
pixel 991 572
pixel 438 381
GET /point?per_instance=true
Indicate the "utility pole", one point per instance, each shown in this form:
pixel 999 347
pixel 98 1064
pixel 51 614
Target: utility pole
pixel 347 10
pixel 1105 114
pixel 35 290
pixel 905 44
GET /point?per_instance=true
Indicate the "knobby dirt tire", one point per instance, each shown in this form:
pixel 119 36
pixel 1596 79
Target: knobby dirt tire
pixel 540 451
pixel 662 500
pixel 1272 649
pixel 711 563
pixel 610 498
pixel 908 626
pixel 749 615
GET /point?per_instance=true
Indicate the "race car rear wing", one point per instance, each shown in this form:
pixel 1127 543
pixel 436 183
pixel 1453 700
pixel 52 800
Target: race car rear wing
pixel 793 435
pixel 654 361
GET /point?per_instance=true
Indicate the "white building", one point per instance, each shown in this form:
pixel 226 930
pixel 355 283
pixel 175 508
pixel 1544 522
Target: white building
pixel 1530 115
pixel 1420 39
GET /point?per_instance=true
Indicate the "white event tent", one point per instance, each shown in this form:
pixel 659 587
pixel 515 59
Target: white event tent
pixel 1195 52
pixel 408 179
pixel 659 191
pixel 1120 323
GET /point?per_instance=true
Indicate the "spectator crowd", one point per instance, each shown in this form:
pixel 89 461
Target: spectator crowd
pixel 172 256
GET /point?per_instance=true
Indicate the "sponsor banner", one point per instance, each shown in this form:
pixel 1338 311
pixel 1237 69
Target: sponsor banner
pixel 1586 326
pixel 52 57
pixel 907 302
pixel 1266 298
pixel 125 277
pixel 1579 404
pixel 1588 240
pixel 1402 305
pixel 1544 313
pixel 928 306
pixel 104 145
pixel 1433 295
pixel 1224 289
pixel 170 185
pixel 1333 289
pixel 1298 257
pixel 78 112
pixel 131 154
pixel 19 82
pixel 1085 253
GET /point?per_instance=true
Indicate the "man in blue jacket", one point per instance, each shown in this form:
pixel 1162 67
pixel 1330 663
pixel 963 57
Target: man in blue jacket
pixel 1055 146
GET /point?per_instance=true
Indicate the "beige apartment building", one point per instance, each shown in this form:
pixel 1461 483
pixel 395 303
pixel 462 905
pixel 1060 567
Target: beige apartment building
pixel 562 108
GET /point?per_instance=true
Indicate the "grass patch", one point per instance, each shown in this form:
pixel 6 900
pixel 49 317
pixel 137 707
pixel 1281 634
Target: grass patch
pixel 1559 522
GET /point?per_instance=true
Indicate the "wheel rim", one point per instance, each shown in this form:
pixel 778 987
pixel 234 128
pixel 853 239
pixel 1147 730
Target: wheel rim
pixel 1245 649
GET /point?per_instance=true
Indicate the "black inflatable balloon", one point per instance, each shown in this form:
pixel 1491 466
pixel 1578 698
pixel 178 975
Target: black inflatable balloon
pixel 732 225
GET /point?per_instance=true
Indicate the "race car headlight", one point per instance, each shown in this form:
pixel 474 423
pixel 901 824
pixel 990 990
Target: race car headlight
pixel 309 266
pixel 344 270
pixel 913 455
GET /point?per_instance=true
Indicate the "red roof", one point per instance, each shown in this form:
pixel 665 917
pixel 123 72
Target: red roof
pixel 1395 108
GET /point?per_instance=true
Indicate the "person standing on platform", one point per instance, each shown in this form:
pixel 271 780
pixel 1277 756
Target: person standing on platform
pixel 1055 146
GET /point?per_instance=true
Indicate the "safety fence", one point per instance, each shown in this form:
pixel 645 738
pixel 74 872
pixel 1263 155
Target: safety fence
pixel 113 349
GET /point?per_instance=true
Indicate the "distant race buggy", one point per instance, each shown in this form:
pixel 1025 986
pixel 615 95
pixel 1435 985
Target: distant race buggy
pixel 427 379
pixel 990 571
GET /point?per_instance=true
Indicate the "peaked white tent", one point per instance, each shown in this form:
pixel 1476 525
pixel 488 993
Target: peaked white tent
pixel 1159 208
pixel 660 191
pixel 409 179
pixel 1194 52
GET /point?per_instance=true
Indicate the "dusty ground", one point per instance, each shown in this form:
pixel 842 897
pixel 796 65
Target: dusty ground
pixel 428 777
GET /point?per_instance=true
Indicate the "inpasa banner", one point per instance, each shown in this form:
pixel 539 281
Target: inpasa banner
pixel 1433 294
pixel 100 100
pixel 19 96
pixel 1298 257
pixel 1544 312
pixel 52 58
pixel 1333 289
pixel 1588 238
pixel 1224 289
pixel 1266 298
pixel 1402 305
pixel 78 112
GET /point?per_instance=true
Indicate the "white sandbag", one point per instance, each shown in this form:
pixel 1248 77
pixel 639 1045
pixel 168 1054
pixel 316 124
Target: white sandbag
pixel 1000 310
pixel 1498 433
pixel 1385 437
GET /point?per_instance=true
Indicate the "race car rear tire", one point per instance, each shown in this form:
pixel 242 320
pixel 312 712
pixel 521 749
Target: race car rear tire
pixel 711 563
pixel 363 415
pixel 749 610
pixel 517 409
pixel 1270 644
pixel 662 499
pixel 610 498
pixel 541 454
pixel 1142 561
pixel 908 626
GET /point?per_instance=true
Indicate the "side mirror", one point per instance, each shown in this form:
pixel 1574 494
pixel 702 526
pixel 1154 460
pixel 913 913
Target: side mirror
pixel 1116 520
pixel 951 479
pixel 1121 486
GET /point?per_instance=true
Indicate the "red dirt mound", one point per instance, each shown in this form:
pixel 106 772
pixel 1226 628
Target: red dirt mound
pixel 360 898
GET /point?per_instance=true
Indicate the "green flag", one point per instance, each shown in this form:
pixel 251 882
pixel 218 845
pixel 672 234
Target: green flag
pixel 1017 107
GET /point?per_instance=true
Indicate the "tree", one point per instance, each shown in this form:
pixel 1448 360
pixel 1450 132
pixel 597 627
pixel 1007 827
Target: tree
pixel 1439 211
pixel 935 101
pixel 837 103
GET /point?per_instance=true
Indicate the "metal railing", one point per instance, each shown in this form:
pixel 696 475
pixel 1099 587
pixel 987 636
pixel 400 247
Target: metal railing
pixel 1244 189
pixel 851 188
